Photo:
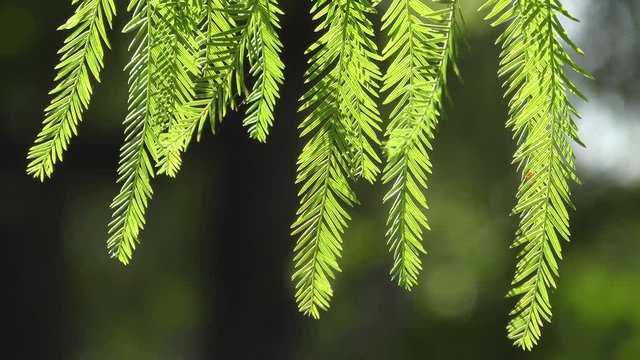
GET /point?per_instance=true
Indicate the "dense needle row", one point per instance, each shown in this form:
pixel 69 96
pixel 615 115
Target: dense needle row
pixel 191 60
pixel 533 62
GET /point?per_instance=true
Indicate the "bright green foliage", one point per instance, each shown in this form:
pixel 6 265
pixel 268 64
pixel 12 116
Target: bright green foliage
pixel 192 60
pixel 342 123
pixel 533 61
pixel 187 66
pixel 176 67
pixel 220 58
pixel 81 58
pixel 421 44
pixel 135 168
pixel 263 50
pixel 230 31
pixel 160 82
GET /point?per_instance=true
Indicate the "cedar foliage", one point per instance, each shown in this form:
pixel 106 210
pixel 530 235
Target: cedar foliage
pixel 192 60
pixel 533 62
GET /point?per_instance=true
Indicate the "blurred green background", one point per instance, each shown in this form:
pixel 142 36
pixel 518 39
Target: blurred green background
pixel 211 277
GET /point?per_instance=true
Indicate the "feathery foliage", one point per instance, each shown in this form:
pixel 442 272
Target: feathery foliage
pixel 342 124
pixel 82 57
pixel 263 50
pixel 533 61
pixel 174 103
pixel 160 82
pixel 421 45
pixel 187 66
pixel 231 31
pixel 176 67
pixel 192 61
pixel 219 57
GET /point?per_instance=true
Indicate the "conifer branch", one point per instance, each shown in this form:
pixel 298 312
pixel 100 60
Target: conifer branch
pixel 222 60
pixel 232 31
pixel 180 66
pixel 188 67
pixel 135 168
pixel 159 84
pixel 421 44
pixel 81 59
pixel 542 118
pixel 341 124
pixel 263 49
pixel 212 48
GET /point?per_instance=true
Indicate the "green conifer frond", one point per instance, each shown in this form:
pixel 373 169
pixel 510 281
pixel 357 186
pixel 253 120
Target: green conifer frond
pixel 263 50
pixel 342 123
pixel 159 84
pixel 212 51
pixel 81 58
pixel 176 140
pixel 222 60
pixel 178 62
pixel 235 30
pixel 421 44
pixel 189 60
pixel 542 118
pixel 136 168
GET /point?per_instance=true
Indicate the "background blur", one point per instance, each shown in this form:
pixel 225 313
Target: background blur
pixel 211 277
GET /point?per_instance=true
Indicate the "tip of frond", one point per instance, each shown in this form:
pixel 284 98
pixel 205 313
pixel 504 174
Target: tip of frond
pixel 311 313
pixel 405 282
pixel 261 138
pixel 122 258
pixel 171 173
pixel 407 286
pixel 119 253
pixel 38 168
pixel 38 175
pixel 524 345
